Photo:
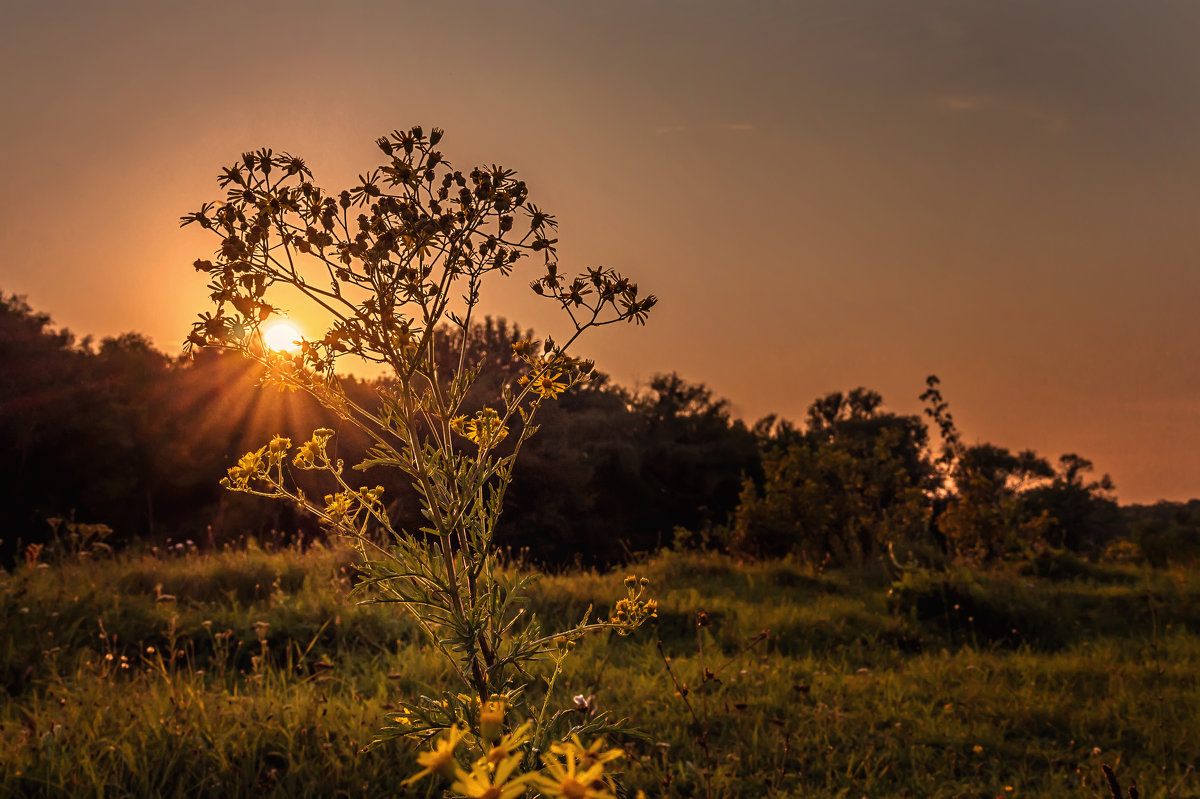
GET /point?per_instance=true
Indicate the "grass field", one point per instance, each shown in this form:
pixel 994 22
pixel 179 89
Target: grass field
pixel 251 673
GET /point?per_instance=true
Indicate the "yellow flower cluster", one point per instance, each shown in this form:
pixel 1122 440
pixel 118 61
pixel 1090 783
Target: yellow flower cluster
pixel 370 497
pixel 312 452
pixel 636 608
pixel 484 428
pixel 523 349
pixel 345 504
pixel 547 384
pixel 546 378
pixel 249 466
pixel 277 450
pixel 580 773
pixel 571 769
pixel 338 506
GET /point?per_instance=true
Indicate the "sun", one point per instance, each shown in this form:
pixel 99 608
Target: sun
pixel 282 336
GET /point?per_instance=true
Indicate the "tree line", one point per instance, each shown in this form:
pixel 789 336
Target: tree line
pixel 118 436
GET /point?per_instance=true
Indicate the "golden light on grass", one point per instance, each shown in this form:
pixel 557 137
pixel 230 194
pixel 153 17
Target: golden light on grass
pixel 282 336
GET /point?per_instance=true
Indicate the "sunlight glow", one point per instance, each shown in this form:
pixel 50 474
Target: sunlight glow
pixel 282 336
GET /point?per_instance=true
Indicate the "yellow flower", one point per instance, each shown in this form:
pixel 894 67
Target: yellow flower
pixel 564 778
pixel 479 784
pixel 488 430
pixel 370 497
pixel 248 467
pixel 277 449
pixel 306 455
pixel 308 452
pixel 548 384
pixel 507 746
pixel 440 760
pixel 634 610
pixel 463 426
pixel 338 506
pixel 523 349
pixel 485 429
pixel 588 756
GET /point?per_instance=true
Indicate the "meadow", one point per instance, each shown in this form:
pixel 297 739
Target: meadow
pixel 254 672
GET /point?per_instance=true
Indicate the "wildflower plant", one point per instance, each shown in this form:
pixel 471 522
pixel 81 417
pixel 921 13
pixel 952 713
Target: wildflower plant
pixel 395 263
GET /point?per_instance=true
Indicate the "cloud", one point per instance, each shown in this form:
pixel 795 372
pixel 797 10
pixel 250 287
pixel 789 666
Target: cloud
pixel 982 103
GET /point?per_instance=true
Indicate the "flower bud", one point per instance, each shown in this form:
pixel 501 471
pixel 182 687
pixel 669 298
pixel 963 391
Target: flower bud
pixel 491 719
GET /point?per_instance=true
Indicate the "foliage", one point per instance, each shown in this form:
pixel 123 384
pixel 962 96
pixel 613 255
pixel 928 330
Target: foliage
pixel 1166 533
pixel 118 433
pixel 846 489
pixel 846 696
pixel 106 433
pixel 857 482
pixel 695 456
pixel 1085 515
pixel 121 434
pixel 989 517
pixel 993 504
pixel 79 426
pixel 406 271
pixel 613 471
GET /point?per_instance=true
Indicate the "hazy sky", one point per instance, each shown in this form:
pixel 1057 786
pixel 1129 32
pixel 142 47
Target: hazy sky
pixel 822 194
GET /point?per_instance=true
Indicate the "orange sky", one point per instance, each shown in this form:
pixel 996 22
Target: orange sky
pixel 822 194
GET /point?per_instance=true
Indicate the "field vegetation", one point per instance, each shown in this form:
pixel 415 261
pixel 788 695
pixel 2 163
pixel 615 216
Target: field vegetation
pixel 250 671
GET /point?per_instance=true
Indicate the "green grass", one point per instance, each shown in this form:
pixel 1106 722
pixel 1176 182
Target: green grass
pixel 253 673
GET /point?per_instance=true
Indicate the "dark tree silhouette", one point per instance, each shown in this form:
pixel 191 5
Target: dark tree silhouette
pixel 852 484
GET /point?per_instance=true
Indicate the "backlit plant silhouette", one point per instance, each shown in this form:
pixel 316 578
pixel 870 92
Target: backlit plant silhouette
pixel 396 262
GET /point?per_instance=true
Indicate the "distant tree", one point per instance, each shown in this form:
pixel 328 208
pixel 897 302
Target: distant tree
pixel 695 455
pixel 617 472
pixel 1083 513
pixel 989 516
pixel 1165 533
pixel 981 508
pixel 122 434
pixel 853 483
pixel 121 470
pixel 40 375
pixel 938 410
pixel 990 503
pixel 570 495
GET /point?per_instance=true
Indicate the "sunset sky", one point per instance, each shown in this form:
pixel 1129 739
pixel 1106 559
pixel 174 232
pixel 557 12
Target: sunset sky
pixel 822 194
